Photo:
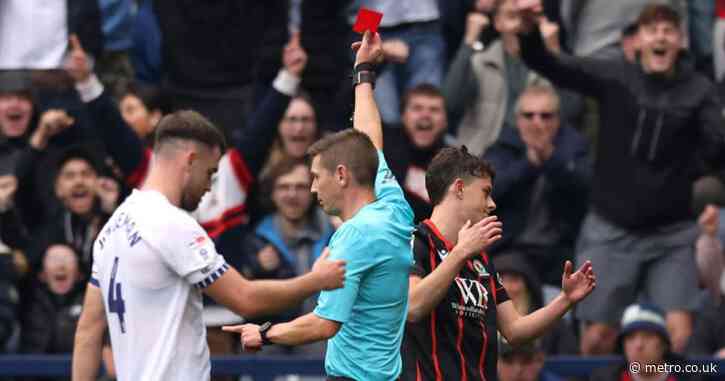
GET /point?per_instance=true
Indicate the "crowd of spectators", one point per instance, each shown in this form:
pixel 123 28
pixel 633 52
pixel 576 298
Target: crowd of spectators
pixel 603 120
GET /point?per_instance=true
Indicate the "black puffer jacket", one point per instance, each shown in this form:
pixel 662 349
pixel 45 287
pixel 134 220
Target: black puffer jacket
pixel 652 132
pixel 49 324
pixel 8 298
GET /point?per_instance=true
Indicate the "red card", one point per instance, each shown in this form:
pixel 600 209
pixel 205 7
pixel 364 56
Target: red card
pixel 367 20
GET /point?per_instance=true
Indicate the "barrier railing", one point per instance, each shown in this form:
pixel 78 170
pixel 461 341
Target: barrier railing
pixel 266 368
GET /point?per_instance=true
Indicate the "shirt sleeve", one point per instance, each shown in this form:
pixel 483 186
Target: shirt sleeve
pixel 501 294
pixel 190 253
pixel 387 188
pixel 95 275
pixel 421 256
pixel 348 244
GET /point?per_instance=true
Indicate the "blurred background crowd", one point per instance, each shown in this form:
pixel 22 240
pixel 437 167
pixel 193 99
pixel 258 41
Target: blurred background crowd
pixel 604 124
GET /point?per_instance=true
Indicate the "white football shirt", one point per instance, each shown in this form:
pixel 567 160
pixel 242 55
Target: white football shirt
pixel 151 260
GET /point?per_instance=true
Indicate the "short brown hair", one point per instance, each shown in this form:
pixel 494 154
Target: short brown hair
pixel 280 168
pixel 658 12
pixel 268 181
pixel 350 148
pixel 189 125
pixel 453 163
pixel 423 89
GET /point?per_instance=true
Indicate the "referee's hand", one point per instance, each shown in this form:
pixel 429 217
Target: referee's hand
pixel 250 337
pixel 331 273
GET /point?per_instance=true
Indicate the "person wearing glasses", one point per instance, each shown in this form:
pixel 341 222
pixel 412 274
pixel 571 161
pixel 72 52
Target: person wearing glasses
pixel 544 174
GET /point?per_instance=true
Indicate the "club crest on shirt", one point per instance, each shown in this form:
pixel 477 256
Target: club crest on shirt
pixel 480 269
pixel 442 253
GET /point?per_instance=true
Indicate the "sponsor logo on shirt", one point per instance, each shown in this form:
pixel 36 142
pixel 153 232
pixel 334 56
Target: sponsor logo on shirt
pixel 474 297
pixel 202 246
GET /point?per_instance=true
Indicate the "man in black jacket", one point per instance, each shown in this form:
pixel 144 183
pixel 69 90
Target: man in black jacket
pixel 655 115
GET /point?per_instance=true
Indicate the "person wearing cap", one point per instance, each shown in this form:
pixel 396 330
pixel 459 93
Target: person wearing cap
pixel 16 114
pixel 26 134
pixel 643 340
pixel 523 362
pixel 83 202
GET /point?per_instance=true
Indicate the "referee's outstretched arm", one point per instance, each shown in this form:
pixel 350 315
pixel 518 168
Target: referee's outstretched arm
pixel 366 117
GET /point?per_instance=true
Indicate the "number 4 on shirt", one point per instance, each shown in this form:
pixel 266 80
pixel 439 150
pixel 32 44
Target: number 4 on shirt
pixel 115 298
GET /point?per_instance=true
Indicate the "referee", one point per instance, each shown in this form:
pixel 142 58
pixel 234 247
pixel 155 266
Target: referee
pixel 364 320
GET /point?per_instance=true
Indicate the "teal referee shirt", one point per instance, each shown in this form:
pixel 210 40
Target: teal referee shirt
pixel 372 306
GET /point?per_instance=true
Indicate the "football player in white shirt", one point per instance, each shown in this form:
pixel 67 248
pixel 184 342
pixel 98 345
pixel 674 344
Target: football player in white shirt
pixel 152 261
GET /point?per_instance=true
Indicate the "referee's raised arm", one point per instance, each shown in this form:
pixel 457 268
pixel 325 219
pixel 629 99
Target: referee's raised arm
pixel 366 117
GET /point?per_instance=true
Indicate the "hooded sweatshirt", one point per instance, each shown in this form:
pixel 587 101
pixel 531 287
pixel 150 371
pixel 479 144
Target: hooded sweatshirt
pixel 653 131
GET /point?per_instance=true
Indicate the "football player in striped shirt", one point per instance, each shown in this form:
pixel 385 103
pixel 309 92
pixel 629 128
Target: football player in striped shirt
pixel 456 300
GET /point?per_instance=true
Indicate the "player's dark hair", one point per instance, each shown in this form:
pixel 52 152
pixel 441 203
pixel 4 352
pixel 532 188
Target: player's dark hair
pixel 453 163
pixel 189 125
pixel 350 148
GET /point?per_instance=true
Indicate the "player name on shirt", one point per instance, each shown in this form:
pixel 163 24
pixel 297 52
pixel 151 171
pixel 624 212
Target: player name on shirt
pixel 121 221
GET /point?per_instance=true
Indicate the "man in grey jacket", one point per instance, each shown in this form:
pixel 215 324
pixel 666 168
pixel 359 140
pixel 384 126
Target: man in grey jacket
pixel 484 82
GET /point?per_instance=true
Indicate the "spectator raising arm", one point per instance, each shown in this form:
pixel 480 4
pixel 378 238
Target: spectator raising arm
pixel 459 86
pixel 125 147
pixel 581 74
pixel 255 141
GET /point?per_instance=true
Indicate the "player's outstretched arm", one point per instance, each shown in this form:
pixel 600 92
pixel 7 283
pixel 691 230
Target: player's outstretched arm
pixel 259 297
pixel 519 329
pixel 366 117
pixel 89 336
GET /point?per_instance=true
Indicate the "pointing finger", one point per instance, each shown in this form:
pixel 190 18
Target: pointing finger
pixel 233 328
pixel 75 43
pixel 295 39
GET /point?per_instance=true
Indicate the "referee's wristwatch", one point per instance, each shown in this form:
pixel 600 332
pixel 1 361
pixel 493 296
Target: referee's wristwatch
pixel 364 73
pixel 263 329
